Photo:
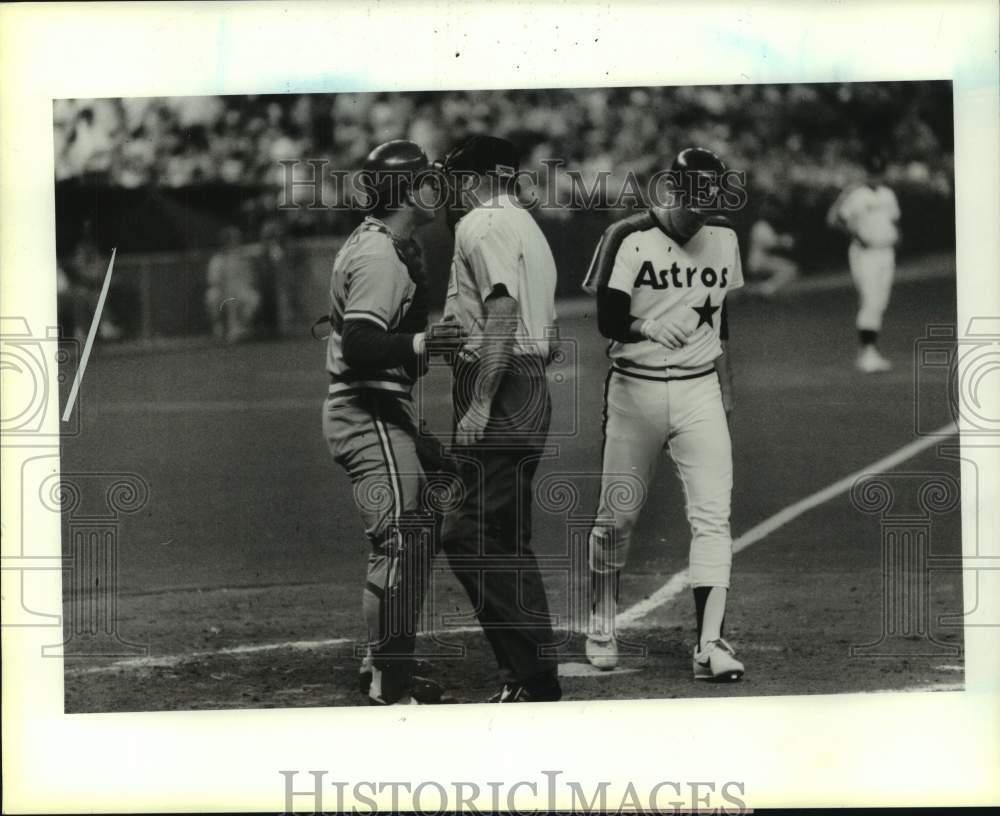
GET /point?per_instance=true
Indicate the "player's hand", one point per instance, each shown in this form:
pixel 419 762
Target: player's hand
pixel 472 426
pixel 668 333
pixel 445 337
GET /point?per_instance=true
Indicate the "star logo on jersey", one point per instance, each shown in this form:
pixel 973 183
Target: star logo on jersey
pixel 705 312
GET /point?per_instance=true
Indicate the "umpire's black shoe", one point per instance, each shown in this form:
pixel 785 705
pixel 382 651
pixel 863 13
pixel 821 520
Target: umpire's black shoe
pixel 537 691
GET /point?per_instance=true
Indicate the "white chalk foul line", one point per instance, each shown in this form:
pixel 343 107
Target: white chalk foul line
pixel 678 582
pixel 94 324
pixel 168 661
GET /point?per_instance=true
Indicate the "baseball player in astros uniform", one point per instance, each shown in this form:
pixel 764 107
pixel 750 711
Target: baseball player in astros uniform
pixel 501 291
pixel 661 278
pixel 869 213
pixel 375 352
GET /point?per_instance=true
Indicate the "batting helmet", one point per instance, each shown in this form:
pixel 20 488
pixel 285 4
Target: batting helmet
pixel 696 172
pixel 482 154
pixel 388 172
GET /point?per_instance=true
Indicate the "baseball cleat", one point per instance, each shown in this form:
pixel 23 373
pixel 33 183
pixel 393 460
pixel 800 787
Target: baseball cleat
pixel 426 691
pixel 423 690
pixel 602 654
pixel 717 661
pixel 365 673
pixel 871 362
pixel 546 690
pixel 601 647
pixel 407 700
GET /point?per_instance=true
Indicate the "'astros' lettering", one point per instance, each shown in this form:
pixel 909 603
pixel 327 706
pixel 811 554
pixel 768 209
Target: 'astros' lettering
pixel 676 277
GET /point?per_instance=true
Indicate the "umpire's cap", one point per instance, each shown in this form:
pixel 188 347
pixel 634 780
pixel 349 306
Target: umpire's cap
pixel 388 172
pixel 482 154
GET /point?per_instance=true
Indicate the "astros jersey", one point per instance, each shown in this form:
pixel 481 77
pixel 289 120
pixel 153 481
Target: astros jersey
pixel 871 215
pixel 500 243
pixel 371 283
pixel 668 280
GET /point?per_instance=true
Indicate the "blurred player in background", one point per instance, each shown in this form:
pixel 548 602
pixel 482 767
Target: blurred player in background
pixel 661 279
pixel 502 291
pixel 769 269
pixel 231 297
pixel 278 261
pixel 80 286
pixel 375 352
pixel 869 214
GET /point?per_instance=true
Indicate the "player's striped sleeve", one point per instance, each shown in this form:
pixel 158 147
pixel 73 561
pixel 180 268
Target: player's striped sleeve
pixel 603 262
pixel 375 290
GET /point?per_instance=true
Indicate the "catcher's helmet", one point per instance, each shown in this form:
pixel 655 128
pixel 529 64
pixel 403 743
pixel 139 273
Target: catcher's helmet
pixel 397 156
pixel 697 172
pixel 388 172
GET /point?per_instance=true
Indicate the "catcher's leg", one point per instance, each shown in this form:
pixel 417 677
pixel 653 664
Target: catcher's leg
pixel 397 580
pixel 386 474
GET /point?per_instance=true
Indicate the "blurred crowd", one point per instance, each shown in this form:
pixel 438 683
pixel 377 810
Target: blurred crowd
pixel 799 144
pixel 782 134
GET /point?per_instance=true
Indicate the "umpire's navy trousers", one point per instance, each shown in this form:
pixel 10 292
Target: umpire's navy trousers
pixel 488 540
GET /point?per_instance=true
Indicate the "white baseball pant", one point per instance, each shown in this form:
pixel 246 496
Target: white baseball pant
pixel 685 416
pixel 872 270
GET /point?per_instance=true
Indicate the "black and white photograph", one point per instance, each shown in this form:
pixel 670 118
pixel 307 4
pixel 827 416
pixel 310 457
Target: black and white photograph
pixel 368 367
pixel 509 396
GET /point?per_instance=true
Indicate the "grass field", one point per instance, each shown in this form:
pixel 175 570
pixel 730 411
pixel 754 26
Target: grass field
pixel 243 572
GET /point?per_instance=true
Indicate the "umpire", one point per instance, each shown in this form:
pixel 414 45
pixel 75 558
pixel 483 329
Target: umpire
pixel 501 291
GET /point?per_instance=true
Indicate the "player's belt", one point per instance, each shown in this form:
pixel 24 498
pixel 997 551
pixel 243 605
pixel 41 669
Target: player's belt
pixel 664 374
pixel 348 385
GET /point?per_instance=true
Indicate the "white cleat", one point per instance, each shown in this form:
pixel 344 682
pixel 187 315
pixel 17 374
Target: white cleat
pixel 602 652
pixel 717 661
pixel 871 362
